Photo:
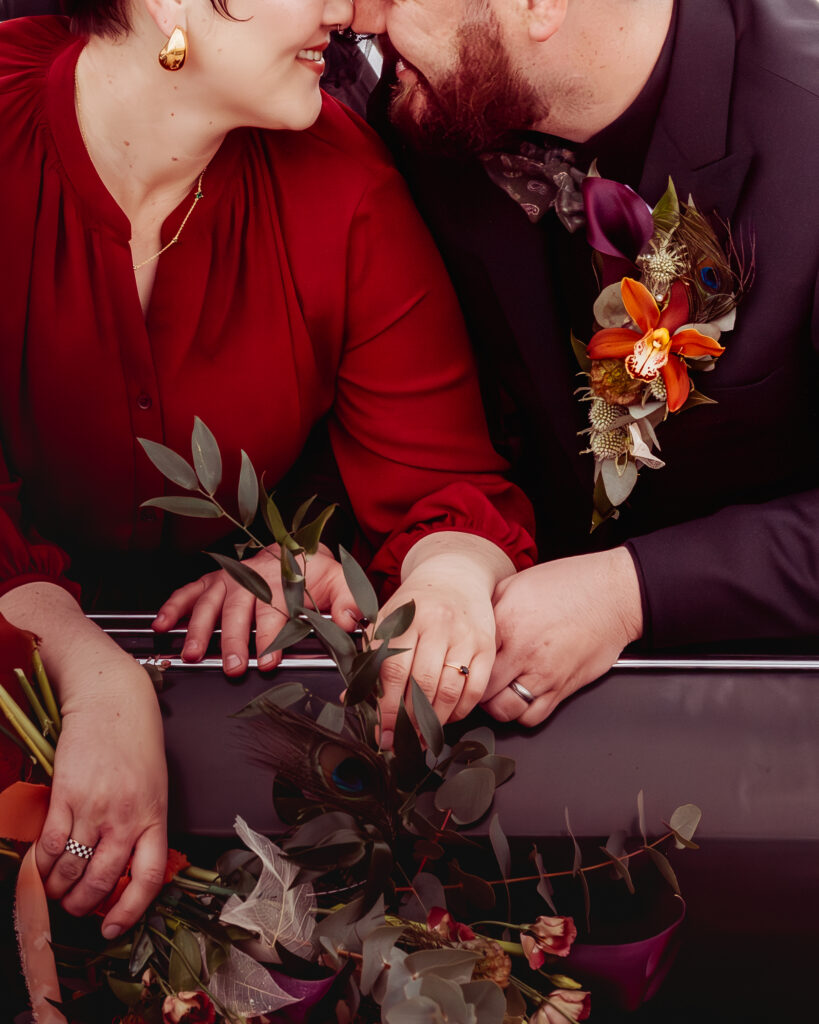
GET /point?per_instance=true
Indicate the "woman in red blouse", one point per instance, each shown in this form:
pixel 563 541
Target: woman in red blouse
pixel 161 260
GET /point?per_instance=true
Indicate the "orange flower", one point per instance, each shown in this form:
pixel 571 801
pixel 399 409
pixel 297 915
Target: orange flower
pixel 661 346
pixel 175 863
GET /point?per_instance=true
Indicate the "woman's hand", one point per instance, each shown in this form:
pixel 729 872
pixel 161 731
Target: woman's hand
pixel 216 595
pixel 109 790
pixel 110 793
pixel 450 576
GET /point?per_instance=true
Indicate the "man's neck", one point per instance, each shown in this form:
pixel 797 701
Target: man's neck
pixel 597 63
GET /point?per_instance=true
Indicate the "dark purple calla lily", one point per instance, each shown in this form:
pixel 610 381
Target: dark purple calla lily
pixel 618 221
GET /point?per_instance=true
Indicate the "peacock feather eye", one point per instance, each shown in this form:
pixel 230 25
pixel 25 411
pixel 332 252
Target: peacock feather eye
pixel 709 277
pixel 345 772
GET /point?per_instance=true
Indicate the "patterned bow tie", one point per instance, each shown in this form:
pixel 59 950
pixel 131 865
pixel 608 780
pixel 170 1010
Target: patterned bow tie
pixel 538 179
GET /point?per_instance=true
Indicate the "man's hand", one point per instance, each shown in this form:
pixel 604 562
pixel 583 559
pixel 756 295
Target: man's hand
pixel 561 625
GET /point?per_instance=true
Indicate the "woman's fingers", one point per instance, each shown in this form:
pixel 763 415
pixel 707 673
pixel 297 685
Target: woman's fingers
pixel 475 684
pixel 147 875
pixel 97 875
pixel 55 834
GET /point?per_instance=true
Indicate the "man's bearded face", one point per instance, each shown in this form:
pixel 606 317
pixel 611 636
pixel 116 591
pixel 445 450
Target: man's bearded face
pixel 468 110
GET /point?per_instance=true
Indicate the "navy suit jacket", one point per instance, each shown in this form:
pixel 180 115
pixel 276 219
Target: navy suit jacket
pixel 725 537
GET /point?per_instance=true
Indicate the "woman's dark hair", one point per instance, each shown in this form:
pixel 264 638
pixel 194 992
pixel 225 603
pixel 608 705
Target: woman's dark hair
pixel 110 17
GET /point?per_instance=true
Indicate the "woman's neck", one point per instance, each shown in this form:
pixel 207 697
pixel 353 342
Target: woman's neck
pixel 147 133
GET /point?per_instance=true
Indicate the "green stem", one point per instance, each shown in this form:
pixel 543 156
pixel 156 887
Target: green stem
pixel 24 727
pixel 46 725
pixel 45 689
pixel 194 974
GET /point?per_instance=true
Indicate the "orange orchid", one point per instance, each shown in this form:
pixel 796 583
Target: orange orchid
pixel 661 346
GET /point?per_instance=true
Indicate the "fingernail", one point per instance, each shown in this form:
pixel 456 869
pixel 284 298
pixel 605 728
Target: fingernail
pixel 111 931
pixel 265 660
pixel 159 620
pixel 386 739
pixel 232 661
pixel 191 649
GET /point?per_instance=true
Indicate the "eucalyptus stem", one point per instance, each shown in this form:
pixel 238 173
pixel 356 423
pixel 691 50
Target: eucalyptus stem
pixel 46 691
pixel 46 723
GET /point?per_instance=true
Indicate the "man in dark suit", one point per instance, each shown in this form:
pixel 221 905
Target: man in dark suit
pixel 722 542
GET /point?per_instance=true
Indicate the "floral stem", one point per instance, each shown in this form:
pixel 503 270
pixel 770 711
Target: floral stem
pixel 21 723
pixel 46 724
pixel 45 689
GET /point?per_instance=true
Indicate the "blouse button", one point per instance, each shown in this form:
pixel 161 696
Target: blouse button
pixel 144 400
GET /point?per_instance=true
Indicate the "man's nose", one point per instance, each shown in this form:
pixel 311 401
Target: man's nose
pixel 369 16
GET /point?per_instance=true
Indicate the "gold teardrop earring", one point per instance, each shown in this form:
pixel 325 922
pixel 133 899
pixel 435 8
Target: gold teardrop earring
pixel 173 53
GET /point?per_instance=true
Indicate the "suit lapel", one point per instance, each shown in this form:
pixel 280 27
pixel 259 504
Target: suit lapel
pixel 691 142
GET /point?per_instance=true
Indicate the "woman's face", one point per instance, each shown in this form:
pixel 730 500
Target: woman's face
pixel 263 68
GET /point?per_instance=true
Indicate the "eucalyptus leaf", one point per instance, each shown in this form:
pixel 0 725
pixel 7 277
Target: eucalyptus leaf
pixel 641 815
pixel 409 757
pixel 467 751
pixel 503 768
pixel 360 587
pixel 477 892
pixel 128 992
pixel 375 951
pixel 293 585
pixel 331 717
pixel 170 464
pixel 468 794
pixel 684 822
pixel 428 724
pixel 334 636
pixel 500 846
pixel 185 968
pixel 418 1010
pixel 291 632
pixel 484 735
pixel 207 460
pixel 544 886
pixel 663 866
pixel 427 892
pixel 378 875
pixel 487 999
pixel 248 497
pixel 197 508
pixel 364 672
pixel 244 576
pixel 301 512
pixel 578 857
pixel 454 964
pixel 620 867
pixel 396 622
pixel 275 523
pixel 580 353
pixel 448 995
pixel 282 695
pixel 290 569
pixel 309 536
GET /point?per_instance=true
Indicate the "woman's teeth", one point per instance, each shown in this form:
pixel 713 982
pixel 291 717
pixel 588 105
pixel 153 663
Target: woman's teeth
pixel 315 55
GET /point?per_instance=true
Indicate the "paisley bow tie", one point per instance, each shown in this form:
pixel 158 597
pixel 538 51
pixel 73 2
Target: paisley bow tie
pixel 539 178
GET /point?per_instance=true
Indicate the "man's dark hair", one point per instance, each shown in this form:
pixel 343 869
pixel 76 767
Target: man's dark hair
pixel 110 17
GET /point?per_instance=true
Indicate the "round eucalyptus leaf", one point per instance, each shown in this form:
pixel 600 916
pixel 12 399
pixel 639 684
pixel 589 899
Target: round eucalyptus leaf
pixel 468 794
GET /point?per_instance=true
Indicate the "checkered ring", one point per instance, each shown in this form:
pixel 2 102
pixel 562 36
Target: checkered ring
pixel 79 849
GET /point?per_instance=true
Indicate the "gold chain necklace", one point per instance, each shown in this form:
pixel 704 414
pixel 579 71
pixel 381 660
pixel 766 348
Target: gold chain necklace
pixel 199 194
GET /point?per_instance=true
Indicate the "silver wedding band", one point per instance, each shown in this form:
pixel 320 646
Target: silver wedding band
pixel 463 669
pixel 79 849
pixel 520 690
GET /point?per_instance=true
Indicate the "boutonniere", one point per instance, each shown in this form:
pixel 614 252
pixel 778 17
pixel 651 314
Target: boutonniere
pixel 669 291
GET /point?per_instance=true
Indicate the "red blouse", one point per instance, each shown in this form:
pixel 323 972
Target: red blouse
pixel 303 285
